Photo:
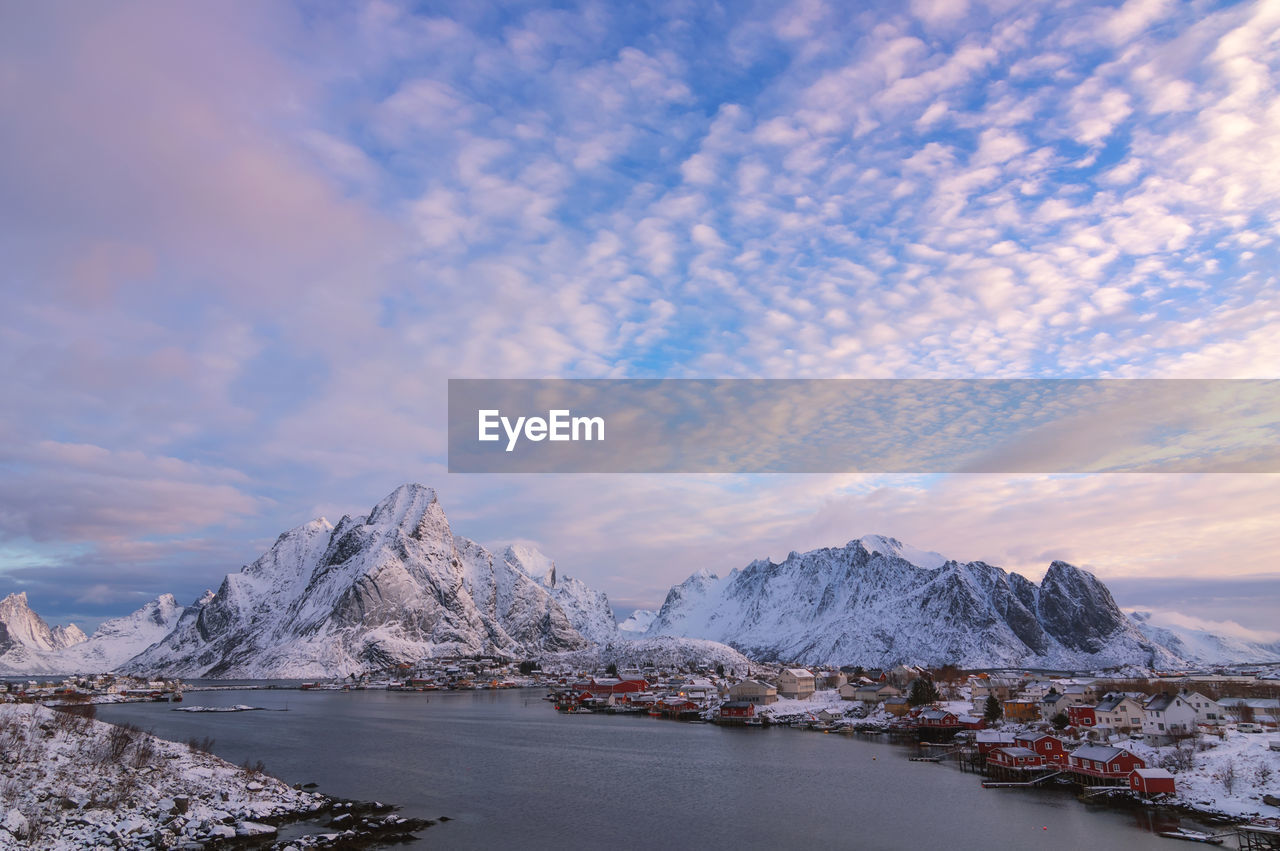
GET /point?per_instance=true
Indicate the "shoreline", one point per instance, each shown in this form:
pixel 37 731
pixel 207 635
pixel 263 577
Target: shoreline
pixel 75 782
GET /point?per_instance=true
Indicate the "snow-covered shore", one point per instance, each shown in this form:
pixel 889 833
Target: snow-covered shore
pixel 1225 776
pixel 73 782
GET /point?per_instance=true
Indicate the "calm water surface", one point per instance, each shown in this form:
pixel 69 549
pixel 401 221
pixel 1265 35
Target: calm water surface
pixel 510 770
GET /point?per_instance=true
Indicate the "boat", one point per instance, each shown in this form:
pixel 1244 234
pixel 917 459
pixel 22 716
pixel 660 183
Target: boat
pixel 1191 836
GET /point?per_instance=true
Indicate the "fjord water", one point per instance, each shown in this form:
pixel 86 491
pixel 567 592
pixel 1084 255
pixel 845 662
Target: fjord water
pixel 511 771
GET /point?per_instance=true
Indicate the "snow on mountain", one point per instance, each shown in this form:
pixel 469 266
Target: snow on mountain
pixel 25 627
pixel 875 606
pixel 638 622
pixel 893 547
pixel 1193 642
pixel 66 636
pixel 395 586
pixel 112 644
pixel 528 612
pixel 26 641
pixel 657 651
pixel 587 609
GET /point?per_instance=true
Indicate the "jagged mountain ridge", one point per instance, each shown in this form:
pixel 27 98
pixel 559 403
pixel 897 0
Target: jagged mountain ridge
pixel 868 603
pixel 113 643
pixel 23 626
pixel 588 609
pixel 395 586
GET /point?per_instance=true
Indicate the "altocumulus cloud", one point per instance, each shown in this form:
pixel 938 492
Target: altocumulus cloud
pixel 246 245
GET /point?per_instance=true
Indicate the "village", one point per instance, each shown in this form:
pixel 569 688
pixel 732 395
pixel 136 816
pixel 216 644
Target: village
pixel 1201 742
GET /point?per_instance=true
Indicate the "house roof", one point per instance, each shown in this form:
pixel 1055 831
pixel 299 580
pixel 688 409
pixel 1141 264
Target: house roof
pixel 1160 702
pixel 750 683
pixel 798 672
pixel 936 714
pixel 995 736
pixel 1097 753
pixel 1016 751
pixel 1153 773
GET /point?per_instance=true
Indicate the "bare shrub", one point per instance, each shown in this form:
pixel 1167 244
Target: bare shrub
pixel 254 768
pixel 119 738
pixel 200 744
pixel 144 752
pixel 1180 758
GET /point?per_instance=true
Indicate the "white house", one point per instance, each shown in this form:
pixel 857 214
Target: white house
pixel 1207 710
pixel 796 682
pixel 1168 715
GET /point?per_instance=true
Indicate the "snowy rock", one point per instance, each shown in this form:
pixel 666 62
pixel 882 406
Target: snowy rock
pixel 16 824
pixel 253 828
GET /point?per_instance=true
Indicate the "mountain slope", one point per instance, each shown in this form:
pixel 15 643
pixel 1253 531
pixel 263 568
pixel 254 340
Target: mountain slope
pixel 27 642
pixel 395 586
pixel 25 627
pixel 874 606
pixel 1202 645
pixel 587 609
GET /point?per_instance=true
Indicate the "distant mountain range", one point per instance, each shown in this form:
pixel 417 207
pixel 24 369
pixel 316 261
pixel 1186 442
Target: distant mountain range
pixel 397 585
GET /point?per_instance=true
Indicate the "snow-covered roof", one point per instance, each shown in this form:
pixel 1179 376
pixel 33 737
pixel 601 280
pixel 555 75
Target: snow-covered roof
pixel 994 736
pixel 1016 751
pixel 798 672
pixel 1153 773
pixel 1097 753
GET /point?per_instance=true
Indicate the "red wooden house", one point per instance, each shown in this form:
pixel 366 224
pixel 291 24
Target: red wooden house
pixel 1103 765
pixel 1081 716
pixel 1050 748
pixel 938 718
pixel 989 740
pixel 1149 782
pixel 1015 758
pixel 737 710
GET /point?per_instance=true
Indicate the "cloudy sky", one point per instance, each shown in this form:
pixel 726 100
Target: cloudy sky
pixel 245 246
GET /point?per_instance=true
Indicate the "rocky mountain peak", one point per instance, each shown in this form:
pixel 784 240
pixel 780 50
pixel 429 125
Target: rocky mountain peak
pixel 25 627
pixel 413 510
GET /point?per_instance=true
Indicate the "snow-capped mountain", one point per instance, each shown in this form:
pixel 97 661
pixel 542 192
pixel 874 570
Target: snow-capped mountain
pixel 638 622
pixel 113 643
pixel 878 602
pixel 1202 645
pixel 395 586
pixel 24 627
pixel 587 609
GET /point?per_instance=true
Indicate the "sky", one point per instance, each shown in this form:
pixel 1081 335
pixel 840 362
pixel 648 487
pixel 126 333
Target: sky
pixel 247 244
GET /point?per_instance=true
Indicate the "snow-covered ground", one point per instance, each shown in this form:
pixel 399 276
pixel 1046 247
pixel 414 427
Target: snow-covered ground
pixel 1228 776
pixel 71 782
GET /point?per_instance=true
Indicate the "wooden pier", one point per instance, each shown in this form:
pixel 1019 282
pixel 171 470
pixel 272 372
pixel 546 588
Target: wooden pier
pixel 1011 784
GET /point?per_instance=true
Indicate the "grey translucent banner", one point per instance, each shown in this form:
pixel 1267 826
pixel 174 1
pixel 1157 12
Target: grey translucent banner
pixel 864 426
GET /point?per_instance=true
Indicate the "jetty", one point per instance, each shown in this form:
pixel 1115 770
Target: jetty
pixel 1014 784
